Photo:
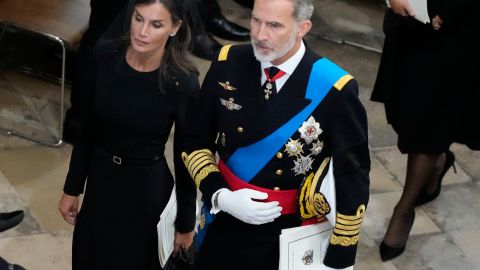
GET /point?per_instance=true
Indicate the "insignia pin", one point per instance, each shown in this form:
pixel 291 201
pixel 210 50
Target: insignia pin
pixel 302 165
pixel 293 148
pixel 230 105
pixel 310 130
pixel 227 86
pixel 316 147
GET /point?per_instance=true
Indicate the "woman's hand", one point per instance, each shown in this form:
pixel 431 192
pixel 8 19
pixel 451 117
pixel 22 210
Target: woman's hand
pixel 182 240
pixel 68 207
pixel 437 23
pixel 401 7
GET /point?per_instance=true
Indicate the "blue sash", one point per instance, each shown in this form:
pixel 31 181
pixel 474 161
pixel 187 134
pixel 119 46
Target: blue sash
pixel 247 161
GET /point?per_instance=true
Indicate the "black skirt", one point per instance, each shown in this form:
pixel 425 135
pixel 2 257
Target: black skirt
pixel 116 226
pixel 426 81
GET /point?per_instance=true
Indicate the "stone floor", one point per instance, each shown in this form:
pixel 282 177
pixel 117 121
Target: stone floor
pixel 445 234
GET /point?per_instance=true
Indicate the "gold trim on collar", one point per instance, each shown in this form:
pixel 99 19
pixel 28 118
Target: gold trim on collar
pixel 224 52
pixel 342 82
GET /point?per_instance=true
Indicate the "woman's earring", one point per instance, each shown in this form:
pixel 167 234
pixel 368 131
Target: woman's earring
pixel 173 34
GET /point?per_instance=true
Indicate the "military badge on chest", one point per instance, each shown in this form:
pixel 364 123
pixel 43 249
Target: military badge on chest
pixel 309 133
pixel 230 105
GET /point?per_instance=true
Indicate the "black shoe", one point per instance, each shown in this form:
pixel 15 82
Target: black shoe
pixel 10 219
pixel 425 197
pixel 4 265
pixel 387 252
pixel 221 27
pixel 204 46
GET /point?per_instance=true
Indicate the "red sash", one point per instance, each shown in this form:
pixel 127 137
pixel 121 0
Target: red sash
pixel 285 198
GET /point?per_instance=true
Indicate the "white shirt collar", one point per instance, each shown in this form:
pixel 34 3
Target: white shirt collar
pixel 288 66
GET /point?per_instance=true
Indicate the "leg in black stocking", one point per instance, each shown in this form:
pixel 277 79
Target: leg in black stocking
pixel 420 168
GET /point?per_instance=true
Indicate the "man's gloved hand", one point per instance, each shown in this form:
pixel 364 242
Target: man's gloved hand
pixel 241 204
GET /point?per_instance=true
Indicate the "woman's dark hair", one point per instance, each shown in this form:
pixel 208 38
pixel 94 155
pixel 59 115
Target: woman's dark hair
pixel 175 58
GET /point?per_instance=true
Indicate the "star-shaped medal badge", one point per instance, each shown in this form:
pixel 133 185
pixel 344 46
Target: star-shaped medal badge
pixel 302 165
pixel 310 130
pixel 294 148
pixel 316 147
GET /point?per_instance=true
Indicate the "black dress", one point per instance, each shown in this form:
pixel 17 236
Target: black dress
pixel 130 118
pixel 426 78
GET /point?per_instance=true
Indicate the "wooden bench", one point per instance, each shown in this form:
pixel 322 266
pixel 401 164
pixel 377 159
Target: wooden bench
pixel 63 21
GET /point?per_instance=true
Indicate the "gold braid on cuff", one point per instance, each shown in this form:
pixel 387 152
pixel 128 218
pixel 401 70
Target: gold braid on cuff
pixel 347 228
pixel 200 164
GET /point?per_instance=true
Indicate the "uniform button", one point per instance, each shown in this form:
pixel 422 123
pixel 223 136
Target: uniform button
pixel 279 155
pixel 279 172
pixel 276 188
pixel 240 129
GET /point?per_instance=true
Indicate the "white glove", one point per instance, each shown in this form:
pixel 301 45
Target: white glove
pixel 241 205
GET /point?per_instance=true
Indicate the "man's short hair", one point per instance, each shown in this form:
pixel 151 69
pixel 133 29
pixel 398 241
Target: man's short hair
pixel 303 9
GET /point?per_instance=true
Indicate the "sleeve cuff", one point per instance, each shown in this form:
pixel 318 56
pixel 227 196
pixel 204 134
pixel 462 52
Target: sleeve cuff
pixel 214 201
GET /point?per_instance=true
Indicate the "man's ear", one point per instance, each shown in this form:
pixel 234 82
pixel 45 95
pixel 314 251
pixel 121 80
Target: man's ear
pixel 303 28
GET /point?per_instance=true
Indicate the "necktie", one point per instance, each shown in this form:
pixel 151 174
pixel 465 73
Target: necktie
pixel 269 87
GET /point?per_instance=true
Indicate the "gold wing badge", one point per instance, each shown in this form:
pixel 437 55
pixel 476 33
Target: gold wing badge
pixel 227 86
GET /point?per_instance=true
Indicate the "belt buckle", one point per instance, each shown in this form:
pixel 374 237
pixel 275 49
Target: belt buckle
pixel 117 160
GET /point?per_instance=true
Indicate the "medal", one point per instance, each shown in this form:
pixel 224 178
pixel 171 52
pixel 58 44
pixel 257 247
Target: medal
pixel 316 147
pixel 302 165
pixel 310 130
pixel 268 90
pixel 222 139
pixel 293 148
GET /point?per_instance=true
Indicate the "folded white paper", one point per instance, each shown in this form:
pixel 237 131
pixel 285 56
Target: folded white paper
pixel 166 229
pixel 421 10
pixel 303 248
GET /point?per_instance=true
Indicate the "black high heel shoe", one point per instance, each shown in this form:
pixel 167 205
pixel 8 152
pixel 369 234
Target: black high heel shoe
pixel 425 197
pixel 387 252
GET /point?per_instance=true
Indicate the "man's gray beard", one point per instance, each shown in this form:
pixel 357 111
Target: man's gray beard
pixel 275 54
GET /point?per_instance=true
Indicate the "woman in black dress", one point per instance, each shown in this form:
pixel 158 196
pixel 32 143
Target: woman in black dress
pixel 144 84
pixel 425 80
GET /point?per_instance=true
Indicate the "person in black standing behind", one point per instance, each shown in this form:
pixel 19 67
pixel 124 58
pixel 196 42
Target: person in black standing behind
pixel 425 81
pixel 144 83
pixel 206 18
pixel 102 14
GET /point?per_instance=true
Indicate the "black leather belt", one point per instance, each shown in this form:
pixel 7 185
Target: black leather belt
pixel 119 160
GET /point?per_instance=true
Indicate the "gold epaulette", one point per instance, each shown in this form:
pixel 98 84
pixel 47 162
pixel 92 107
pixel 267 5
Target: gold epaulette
pixel 347 228
pixel 342 82
pixel 200 164
pixel 224 52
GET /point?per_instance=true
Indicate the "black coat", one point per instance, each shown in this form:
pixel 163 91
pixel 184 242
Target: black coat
pixel 230 243
pixel 425 78
pixel 130 118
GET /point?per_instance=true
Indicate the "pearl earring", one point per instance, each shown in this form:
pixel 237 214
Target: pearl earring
pixel 173 34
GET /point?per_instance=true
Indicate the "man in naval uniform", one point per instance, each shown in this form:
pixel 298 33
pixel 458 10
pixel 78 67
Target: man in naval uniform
pixel 279 117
